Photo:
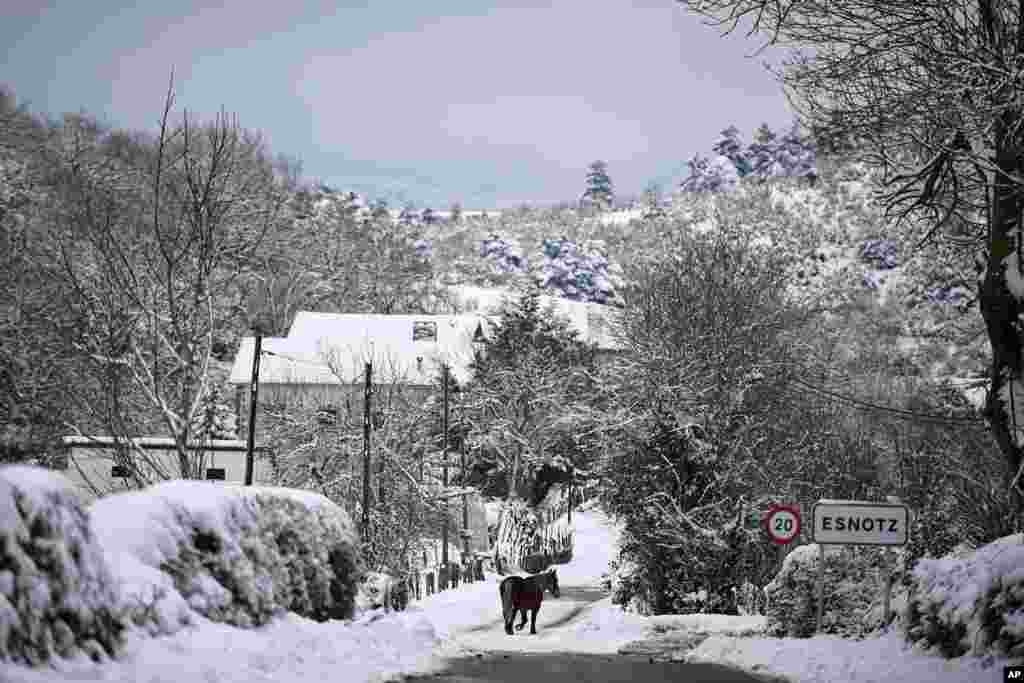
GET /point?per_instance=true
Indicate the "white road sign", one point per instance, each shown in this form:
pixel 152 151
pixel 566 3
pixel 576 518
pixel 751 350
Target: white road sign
pixel 848 522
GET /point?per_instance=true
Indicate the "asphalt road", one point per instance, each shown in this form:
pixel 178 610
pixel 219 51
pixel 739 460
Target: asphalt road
pixel 520 667
pixel 535 659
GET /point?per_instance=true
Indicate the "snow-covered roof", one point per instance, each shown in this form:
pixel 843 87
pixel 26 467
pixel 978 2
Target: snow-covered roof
pixel 152 442
pixel 331 348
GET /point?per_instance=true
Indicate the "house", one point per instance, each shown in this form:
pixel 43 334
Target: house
pixel 321 363
pixel 96 466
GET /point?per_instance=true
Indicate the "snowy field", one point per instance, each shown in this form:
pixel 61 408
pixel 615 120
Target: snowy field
pixel 381 646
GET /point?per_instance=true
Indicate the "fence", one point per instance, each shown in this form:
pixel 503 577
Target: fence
pixel 532 540
pixel 527 539
pixel 420 583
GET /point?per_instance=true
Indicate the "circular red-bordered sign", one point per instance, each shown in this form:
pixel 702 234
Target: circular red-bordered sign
pixel 783 523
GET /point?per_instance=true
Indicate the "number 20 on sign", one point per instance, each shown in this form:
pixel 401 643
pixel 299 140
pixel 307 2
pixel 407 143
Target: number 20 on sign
pixel 783 523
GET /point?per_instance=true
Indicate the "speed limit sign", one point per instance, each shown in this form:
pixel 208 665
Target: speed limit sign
pixel 783 523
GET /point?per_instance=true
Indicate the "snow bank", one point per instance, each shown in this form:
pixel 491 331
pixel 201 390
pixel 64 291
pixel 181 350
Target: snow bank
pixel 970 603
pixel 56 595
pixel 854 578
pixel 830 659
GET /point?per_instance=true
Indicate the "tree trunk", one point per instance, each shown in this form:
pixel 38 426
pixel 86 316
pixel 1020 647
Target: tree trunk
pixel 1001 308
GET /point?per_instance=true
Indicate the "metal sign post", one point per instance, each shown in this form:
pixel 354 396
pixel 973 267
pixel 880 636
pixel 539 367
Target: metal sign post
pixel 852 522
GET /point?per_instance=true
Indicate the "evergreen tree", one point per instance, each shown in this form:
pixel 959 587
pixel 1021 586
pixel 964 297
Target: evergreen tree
pixel 428 216
pixel 651 202
pixel 456 213
pixel 762 153
pixel 730 146
pixel 529 380
pixel 408 215
pixel 796 154
pixel 599 190
pixel 718 174
pixel 380 210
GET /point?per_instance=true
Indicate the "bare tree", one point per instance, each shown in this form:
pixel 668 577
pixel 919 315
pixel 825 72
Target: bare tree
pixel 149 251
pixel 931 91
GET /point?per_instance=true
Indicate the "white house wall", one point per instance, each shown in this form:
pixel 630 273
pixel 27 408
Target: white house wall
pixel 85 465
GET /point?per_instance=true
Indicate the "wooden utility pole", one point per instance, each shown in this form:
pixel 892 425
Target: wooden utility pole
pixel 465 503
pixel 444 476
pixel 254 385
pixel 366 451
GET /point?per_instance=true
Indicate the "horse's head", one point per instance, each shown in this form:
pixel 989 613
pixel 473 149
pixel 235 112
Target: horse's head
pixel 553 583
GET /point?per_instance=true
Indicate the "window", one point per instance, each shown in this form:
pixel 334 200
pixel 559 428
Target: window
pixel 328 415
pixel 424 330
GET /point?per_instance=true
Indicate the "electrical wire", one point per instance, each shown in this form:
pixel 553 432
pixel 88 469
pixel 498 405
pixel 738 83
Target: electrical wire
pixel 898 412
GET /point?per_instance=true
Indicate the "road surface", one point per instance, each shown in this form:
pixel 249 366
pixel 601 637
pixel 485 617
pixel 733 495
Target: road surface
pixel 524 658
pixel 554 667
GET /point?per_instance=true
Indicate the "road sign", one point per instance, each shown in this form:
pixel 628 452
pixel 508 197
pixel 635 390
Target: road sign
pixel 851 522
pixel 783 523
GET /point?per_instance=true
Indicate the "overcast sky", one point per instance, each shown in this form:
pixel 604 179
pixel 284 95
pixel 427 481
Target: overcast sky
pixel 489 103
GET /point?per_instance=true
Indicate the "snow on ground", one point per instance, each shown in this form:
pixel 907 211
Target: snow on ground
pixel 381 646
pixel 828 659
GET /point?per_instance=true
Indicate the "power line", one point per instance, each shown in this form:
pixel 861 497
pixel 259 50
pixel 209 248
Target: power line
pixel 900 412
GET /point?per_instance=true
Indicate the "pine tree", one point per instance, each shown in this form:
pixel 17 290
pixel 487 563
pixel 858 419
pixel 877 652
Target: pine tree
pixel 762 153
pixel 599 190
pixel 651 203
pixel 380 210
pixel 730 146
pixel 456 213
pixel 796 154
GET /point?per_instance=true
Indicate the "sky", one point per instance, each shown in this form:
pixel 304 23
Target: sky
pixel 491 104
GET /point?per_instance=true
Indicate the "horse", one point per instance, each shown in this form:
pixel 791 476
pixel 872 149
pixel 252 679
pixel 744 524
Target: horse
pixel 519 594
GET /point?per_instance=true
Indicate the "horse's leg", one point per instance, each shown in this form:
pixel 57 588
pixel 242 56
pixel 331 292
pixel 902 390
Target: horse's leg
pixel 522 622
pixel 533 620
pixel 508 610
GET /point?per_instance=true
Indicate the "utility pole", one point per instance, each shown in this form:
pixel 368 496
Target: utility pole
pixel 444 476
pixel 253 395
pixel 465 501
pixel 366 451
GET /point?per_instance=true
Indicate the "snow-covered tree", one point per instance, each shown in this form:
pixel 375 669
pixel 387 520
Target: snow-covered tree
pixel 580 274
pixel 717 174
pixel 763 154
pixel 796 155
pixel 599 190
pixel 527 379
pixel 408 215
pixel 651 203
pixel 730 146
pixel 158 245
pixel 502 255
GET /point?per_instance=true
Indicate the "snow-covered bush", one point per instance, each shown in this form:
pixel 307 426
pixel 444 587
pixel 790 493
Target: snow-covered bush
pixel 970 602
pixel 57 596
pixel 853 586
pixel 238 555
